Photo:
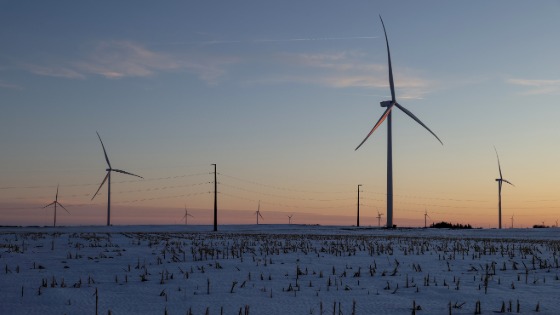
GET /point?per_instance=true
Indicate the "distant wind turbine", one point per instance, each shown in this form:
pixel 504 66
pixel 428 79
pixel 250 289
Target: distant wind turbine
pixel 426 216
pixel 500 181
pixel 387 115
pixel 55 203
pixel 290 218
pixel 108 180
pixel 258 212
pixel 379 218
pixel 187 215
pixel 512 220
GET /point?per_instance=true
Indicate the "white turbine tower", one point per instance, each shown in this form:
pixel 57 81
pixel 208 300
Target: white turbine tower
pixel 378 218
pixel 108 180
pixel 55 203
pixel 387 116
pixel 425 218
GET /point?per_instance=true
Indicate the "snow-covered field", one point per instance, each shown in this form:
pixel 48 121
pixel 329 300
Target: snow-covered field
pixel 277 269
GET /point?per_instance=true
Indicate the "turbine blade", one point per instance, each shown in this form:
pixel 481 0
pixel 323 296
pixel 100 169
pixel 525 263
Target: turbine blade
pixel 499 168
pixel 379 122
pixel 56 197
pixel 50 204
pixel 124 172
pixel 104 151
pixel 411 115
pixel 103 182
pixel 63 207
pixel 260 215
pixel 391 83
pixel 508 182
pixel 190 215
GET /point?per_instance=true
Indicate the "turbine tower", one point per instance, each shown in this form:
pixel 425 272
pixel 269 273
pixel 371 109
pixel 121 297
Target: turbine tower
pixel 55 203
pixel 387 116
pixel 426 216
pixel 378 218
pixel 187 215
pixel 108 180
pixel 258 212
pixel 500 181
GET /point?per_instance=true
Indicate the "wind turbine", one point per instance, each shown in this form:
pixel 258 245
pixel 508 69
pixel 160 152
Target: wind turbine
pixel 187 215
pixel 290 218
pixel 500 181
pixel 55 203
pixel 426 216
pixel 512 220
pixel 387 116
pixel 258 213
pixel 108 180
pixel 378 218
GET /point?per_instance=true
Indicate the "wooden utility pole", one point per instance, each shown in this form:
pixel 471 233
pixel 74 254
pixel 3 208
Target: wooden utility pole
pixel 215 199
pixel 358 218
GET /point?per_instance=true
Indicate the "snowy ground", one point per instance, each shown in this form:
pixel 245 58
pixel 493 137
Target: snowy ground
pixel 277 269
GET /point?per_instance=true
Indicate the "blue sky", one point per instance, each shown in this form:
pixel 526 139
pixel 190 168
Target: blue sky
pixel 278 95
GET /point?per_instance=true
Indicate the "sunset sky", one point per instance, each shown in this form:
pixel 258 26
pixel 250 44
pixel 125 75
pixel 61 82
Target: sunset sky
pixel 278 95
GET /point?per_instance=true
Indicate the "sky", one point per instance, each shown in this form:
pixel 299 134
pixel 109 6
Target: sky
pixel 278 95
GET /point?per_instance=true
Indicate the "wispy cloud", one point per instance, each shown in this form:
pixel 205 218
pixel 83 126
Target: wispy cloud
pixel 344 70
pixel 10 86
pixel 118 59
pixel 537 87
pixel 121 59
pixel 54 71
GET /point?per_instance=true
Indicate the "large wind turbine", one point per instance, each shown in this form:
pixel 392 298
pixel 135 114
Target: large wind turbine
pixel 108 180
pixel 500 181
pixel 387 116
pixel 55 203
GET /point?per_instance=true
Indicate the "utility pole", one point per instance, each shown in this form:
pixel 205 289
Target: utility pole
pixel 215 200
pixel 358 218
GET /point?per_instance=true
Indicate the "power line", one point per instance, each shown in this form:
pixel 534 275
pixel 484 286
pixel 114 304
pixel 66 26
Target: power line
pixel 96 184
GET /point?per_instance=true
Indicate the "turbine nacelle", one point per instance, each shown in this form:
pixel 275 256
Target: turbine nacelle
pixel 386 103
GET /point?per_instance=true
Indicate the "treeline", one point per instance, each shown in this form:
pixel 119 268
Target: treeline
pixel 447 225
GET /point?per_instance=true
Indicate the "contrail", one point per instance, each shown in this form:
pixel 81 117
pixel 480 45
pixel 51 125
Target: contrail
pixel 212 42
pixel 256 41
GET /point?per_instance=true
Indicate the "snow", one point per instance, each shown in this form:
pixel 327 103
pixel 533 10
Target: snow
pixel 354 270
